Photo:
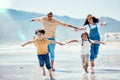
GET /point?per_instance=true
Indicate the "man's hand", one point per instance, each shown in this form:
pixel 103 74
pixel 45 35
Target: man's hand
pixel 23 45
pixel 32 20
pixel 75 27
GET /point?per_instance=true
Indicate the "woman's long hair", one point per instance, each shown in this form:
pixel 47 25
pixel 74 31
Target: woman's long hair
pixel 87 38
pixel 95 20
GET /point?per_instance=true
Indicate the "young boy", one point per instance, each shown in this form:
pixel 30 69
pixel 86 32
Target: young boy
pixel 41 44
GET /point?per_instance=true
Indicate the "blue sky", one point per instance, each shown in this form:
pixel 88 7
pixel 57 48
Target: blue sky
pixel 72 8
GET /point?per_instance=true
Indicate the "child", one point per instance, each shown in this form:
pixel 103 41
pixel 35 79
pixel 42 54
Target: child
pixel 41 44
pixel 85 49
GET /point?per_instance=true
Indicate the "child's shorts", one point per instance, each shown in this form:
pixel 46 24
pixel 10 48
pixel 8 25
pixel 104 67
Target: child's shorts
pixel 44 59
pixel 85 57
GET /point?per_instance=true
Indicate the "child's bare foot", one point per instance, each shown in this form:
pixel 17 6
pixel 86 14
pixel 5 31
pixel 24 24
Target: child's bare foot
pixel 92 71
pixel 44 73
pixel 53 69
pixel 86 71
pixel 43 69
pixel 51 77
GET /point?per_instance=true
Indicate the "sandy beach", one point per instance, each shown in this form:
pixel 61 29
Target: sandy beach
pixel 17 63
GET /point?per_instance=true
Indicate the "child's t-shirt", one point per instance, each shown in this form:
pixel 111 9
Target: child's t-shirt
pixel 42 46
pixel 85 48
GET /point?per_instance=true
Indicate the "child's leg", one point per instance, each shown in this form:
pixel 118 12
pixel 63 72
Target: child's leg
pixel 50 73
pixel 86 60
pixel 48 66
pixel 83 61
pixel 41 62
pixel 43 69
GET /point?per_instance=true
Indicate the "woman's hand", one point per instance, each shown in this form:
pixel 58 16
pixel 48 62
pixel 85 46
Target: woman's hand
pixel 103 24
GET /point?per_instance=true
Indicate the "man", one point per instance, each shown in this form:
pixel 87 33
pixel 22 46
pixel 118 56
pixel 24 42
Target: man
pixel 50 24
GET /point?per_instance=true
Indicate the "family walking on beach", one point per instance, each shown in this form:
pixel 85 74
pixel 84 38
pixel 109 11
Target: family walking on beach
pixel 45 41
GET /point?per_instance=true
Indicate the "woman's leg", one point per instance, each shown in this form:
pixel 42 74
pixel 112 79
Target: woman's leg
pixel 92 52
pixel 92 57
pixel 96 50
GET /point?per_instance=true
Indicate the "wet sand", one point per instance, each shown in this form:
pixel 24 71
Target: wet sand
pixel 18 63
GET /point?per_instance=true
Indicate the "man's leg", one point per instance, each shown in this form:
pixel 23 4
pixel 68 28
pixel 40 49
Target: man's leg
pixel 52 55
pixel 51 49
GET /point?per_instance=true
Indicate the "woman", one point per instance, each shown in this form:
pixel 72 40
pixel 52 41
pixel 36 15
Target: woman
pixel 91 25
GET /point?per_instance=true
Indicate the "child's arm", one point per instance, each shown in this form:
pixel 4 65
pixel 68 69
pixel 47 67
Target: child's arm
pixel 55 42
pixel 98 42
pixel 29 42
pixel 72 41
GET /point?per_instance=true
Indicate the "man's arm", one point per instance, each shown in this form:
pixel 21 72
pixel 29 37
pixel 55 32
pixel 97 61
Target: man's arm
pixel 72 26
pixel 37 19
pixel 82 28
pixel 29 42
pixel 66 25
